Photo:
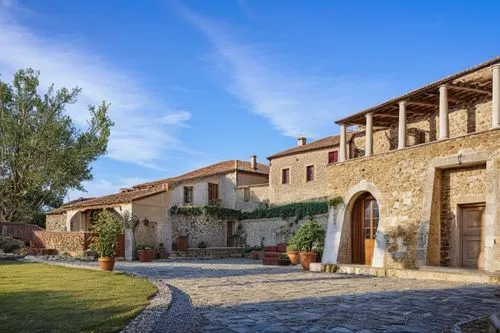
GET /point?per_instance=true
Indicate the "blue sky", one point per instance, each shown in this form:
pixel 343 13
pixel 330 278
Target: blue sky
pixel 194 82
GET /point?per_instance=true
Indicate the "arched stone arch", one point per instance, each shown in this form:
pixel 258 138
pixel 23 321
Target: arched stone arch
pixel 338 239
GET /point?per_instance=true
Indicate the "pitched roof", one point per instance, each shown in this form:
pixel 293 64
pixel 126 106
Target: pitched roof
pixel 211 170
pixel 107 200
pixel 329 141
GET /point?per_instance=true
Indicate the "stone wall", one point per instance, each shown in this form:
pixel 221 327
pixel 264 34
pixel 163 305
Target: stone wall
pixel 258 197
pixel 72 243
pixel 55 222
pixel 402 181
pixel 19 230
pixel 274 230
pixel 299 189
pixel 199 228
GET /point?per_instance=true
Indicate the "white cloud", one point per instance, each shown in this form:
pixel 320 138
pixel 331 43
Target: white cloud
pixel 294 101
pixel 176 117
pixel 138 137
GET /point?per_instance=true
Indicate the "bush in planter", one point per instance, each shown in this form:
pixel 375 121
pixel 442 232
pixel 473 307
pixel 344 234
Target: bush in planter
pixel 145 253
pixel 308 239
pixel 108 227
pixel 283 260
pixel 292 253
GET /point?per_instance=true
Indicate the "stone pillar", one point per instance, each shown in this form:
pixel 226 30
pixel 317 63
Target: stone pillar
pixel 443 113
pixel 402 125
pixel 343 150
pixel 369 135
pixel 495 103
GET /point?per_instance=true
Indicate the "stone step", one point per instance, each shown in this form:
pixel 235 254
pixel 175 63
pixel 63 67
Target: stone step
pixel 270 261
pixel 428 273
pixel 272 254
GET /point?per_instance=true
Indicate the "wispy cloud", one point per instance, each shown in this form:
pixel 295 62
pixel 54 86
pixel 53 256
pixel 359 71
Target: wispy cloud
pixel 295 101
pixel 176 117
pixel 138 137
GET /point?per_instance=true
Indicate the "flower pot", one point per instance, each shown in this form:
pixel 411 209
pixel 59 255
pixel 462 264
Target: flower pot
pixel 294 257
pixel 182 243
pixel 145 255
pixel 107 263
pixel 306 258
pixel 283 262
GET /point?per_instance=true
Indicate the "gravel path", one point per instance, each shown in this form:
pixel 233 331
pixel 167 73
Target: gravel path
pixel 240 295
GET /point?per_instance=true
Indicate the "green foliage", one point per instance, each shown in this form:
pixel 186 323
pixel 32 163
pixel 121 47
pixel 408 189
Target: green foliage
pixel 291 247
pixel 310 236
pixel 335 201
pixel 42 154
pixel 299 210
pixel 108 228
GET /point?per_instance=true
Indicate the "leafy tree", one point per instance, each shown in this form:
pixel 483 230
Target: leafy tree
pixel 42 154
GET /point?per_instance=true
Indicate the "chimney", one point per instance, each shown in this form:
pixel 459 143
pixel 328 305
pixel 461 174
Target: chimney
pixel 301 141
pixel 253 162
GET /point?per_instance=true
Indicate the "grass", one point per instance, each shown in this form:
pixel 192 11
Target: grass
pixel 45 298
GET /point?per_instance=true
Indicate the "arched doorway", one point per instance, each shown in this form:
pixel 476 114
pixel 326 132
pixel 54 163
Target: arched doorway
pixel 365 218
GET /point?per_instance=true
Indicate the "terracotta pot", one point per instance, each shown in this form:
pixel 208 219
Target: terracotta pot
pixel 145 255
pixel 182 243
pixel 163 254
pixel 294 257
pixel 306 258
pixel 107 263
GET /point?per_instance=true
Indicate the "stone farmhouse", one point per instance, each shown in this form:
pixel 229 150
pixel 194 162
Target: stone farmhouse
pixel 148 204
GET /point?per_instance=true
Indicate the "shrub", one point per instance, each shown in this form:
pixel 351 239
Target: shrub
pixel 310 235
pixel 291 247
pixel 108 228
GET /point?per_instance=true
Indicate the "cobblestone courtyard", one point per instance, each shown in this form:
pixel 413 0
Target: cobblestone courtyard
pixel 243 296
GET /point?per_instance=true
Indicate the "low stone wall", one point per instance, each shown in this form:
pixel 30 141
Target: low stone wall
pixel 19 230
pixel 73 243
pixel 212 252
pixel 274 230
pixel 199 228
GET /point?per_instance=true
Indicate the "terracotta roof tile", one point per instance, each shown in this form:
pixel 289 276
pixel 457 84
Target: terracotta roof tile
pixel 214 169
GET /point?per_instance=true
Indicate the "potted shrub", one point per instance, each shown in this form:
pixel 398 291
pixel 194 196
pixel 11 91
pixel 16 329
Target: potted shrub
pixel 309 237
pixel 162 253
pixel 107 227
pixel 145 253
pixel 283 260
pixel 293 253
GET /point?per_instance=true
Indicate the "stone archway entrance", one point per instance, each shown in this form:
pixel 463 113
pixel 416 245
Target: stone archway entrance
pixel 364 224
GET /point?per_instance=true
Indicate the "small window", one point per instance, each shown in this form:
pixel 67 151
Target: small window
pixel 285 176
pixel 213 193
pixel 246 194
pixel 333 157
pixel 188 194
pixel 310 173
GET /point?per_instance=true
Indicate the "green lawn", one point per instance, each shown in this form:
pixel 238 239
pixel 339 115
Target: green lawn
pixel 44 298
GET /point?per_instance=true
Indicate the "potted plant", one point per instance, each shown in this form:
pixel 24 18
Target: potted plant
pixel 107 227
pixel 293 253
pixel 283 260
pixel 162 253
pixel 309 237
pixel 145 253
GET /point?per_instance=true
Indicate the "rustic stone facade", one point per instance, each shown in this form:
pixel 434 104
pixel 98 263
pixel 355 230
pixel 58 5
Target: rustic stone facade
pixel 404 183
pixel 71 243
pixel 55 222
pixel 199 228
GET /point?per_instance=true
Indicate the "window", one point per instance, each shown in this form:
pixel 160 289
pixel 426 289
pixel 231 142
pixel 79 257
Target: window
pixel 246 194
pixel 333 157
pixel 188 194
pixel 213 193
pixel 310 173
pixel 285 176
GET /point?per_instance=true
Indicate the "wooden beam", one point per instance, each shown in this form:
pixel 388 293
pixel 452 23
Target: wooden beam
pixel 476 90
pixel 450 99
pixel 422 104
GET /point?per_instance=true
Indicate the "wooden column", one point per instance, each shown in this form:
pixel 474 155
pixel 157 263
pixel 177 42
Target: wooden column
pixel 443 113
pixel 369 134
pixel 402 125
pixel 495 102
pixel 343 148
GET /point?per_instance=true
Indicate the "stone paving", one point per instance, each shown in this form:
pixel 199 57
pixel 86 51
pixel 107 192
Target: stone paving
pixel 240 295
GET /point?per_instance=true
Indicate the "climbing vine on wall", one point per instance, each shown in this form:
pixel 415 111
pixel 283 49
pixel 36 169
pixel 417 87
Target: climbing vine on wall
pixel 298 210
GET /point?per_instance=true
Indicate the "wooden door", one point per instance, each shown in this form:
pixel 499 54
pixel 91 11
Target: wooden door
pixel 471 225
pixel 364 228
pixel 229 234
